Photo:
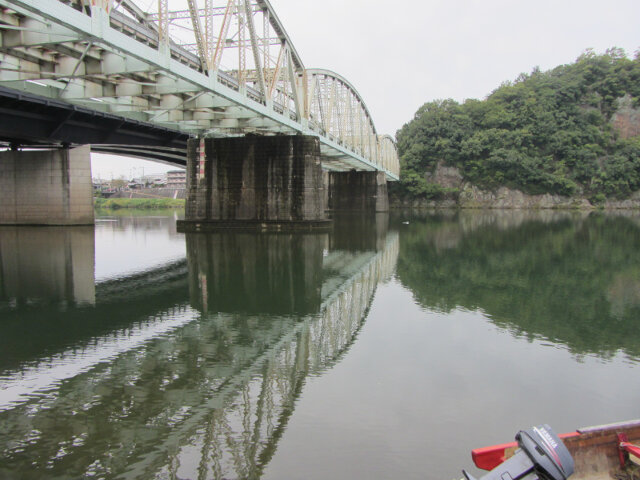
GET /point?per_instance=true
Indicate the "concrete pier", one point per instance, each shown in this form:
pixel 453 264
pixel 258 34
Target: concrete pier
pixel 46 187
pixel 255 182
pixel 358 191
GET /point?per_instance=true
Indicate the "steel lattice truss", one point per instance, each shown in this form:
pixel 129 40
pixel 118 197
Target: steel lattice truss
pixel 206 67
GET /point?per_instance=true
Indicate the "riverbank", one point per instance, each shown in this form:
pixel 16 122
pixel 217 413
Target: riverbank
pixel 138 203
pixel 470 196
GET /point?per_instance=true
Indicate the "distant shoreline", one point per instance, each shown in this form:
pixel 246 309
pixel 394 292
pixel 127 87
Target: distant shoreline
pixel 469 196
pixel 138 203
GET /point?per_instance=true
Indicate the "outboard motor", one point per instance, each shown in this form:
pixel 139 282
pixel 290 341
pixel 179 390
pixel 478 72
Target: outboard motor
pixel 541 456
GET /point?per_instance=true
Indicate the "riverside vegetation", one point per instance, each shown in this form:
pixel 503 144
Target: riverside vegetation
pixel 143 203
pixel 571 131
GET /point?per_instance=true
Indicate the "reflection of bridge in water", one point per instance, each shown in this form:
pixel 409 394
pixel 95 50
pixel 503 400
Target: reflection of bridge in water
pixel 192 392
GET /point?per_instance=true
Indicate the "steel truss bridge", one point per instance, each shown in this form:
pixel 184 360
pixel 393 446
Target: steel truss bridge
pixel 221 68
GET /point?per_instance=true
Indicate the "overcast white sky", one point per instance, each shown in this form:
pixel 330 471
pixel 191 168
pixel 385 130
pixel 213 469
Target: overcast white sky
pixel 400 54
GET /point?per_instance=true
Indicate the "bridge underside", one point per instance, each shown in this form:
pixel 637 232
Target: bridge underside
pixel 33 121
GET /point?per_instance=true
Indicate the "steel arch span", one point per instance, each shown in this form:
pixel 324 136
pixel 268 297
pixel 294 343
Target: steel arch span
pixel 201 67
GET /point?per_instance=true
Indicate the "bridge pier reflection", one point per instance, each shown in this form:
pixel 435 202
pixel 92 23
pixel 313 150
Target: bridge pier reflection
pixel 355 231
pixel 47 264
pixel 271 273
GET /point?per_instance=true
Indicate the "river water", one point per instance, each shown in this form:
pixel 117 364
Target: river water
pixel 387 348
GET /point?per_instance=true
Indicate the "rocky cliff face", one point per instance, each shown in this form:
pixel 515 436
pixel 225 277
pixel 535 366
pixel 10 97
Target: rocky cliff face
pixel 471 196
pixel 448 177
pixel 505 198
pixel 626 120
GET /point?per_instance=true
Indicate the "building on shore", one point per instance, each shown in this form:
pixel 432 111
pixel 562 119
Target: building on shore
pixel 177 179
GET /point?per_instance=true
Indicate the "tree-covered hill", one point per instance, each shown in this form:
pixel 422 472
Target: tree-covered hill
pixel 558 132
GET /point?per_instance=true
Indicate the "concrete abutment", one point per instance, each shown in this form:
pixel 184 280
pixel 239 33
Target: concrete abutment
pixel 46 187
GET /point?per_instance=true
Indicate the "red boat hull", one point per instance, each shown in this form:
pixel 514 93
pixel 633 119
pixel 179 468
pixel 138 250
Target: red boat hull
pixel 595 450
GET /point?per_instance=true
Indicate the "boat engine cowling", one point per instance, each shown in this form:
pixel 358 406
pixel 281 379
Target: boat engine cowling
pixel 541 456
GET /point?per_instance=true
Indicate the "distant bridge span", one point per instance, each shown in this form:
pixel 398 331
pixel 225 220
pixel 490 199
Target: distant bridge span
pixel 226 69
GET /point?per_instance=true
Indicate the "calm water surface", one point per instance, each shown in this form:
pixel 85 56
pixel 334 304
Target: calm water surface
pixel 388 348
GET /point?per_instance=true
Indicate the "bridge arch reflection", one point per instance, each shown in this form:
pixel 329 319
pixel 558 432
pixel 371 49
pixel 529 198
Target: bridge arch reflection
pixel 201 392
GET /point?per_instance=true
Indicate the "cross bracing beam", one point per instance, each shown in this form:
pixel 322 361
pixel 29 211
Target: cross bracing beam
pixel 121 57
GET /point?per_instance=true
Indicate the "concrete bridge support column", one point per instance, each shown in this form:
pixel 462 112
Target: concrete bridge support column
pixel 360 191
pixel 50 187
pixel 255 182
